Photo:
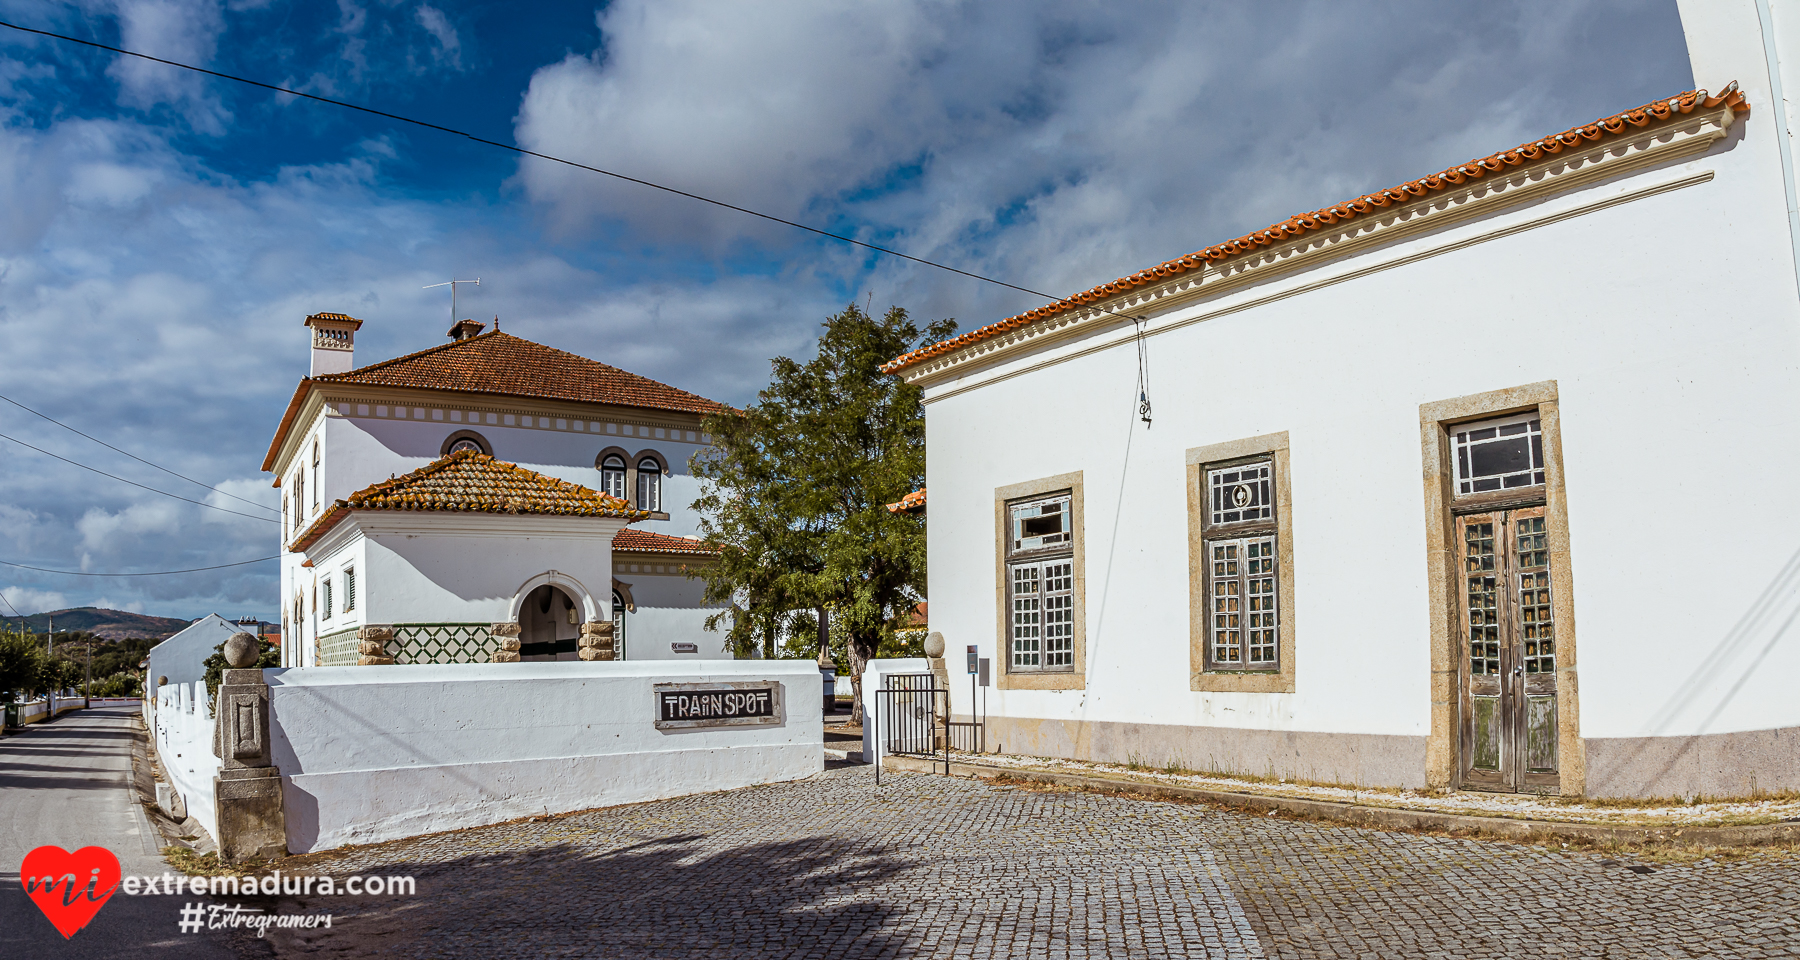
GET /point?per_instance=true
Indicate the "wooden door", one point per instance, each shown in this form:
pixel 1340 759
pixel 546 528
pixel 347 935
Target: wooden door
pixel 1508 702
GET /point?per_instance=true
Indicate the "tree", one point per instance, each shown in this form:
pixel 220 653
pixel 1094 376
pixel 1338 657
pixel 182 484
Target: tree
pixel 269 656
pixel 23 664
pixel 795 490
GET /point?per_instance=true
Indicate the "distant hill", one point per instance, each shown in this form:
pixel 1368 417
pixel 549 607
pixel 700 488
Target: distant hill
pixel 111 624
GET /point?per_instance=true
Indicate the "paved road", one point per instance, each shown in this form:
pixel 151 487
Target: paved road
pixel 66 782
pixel 835 867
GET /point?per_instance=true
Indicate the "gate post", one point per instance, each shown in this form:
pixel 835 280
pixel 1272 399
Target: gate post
pixel 247 790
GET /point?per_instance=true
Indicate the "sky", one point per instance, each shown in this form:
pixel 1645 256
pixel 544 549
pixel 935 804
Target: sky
pixel 163 234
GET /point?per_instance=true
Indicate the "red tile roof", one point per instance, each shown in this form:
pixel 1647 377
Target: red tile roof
pixel 911 503
pixel 501 364
pixel 1366 204
pixel 631 540
pixel 469 482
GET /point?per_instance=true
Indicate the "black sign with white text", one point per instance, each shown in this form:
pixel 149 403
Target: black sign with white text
pixel 697 705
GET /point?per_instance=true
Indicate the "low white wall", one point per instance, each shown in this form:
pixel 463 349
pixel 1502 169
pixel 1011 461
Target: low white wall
pixel 184 731
pixel 378 753
pixel 872 681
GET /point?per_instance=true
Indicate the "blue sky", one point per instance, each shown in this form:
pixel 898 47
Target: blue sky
pixel 163 234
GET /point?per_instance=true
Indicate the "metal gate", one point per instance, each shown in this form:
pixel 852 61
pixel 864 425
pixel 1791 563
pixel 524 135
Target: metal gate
pixel 907 719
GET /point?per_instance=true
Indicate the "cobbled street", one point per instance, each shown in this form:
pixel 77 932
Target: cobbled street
pixel 923 866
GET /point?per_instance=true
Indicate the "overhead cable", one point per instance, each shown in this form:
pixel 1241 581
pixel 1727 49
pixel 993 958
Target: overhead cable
pixel 134 456
pixel 152 573
pixel 134 483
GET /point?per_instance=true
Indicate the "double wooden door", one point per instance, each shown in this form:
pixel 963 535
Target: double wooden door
pixel 1508 708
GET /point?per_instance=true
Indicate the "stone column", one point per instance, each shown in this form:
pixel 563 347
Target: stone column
pixel 596 641
pixel 372 645
pixel 940 706
pixel 247 790
pixel 506 637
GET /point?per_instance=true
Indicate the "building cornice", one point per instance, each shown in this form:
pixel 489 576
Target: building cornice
pixel 1680 136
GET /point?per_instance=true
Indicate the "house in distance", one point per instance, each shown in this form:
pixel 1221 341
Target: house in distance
pixel 485 482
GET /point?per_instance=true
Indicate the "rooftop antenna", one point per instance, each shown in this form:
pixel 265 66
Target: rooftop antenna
pixel 452 285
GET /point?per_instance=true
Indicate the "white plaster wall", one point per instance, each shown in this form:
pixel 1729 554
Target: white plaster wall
pixel 650 631
pixel 377 753
pixel 182 657
pixel 1670 325
pixel 184 730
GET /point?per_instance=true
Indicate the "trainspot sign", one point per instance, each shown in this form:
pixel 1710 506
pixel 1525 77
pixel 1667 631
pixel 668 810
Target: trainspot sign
pixel 737 704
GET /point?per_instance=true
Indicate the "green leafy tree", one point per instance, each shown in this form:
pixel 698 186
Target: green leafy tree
pixel 795 490
pixel 23 664
pixel 270 656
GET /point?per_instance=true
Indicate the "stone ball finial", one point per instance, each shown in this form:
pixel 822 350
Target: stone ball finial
pixel 162 681
pixel 241 651
pixel 934 645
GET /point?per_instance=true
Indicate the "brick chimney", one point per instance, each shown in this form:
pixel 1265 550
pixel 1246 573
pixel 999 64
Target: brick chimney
pixel 333 342
pixel 465 329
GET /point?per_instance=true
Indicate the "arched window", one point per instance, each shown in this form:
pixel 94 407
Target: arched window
pixel 465 440
pixel 649 485
pixel 618 618
pixel 612 476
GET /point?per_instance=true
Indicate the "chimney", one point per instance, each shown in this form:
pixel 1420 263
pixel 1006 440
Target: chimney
pixel 465 329
pixel 333 342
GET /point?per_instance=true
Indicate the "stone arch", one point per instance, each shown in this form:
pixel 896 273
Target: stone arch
pixel 591 606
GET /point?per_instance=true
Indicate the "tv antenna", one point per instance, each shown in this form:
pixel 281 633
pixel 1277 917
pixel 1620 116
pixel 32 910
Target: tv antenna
pixel 452 285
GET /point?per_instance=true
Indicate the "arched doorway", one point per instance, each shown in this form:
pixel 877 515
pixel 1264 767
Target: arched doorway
pixel 549 623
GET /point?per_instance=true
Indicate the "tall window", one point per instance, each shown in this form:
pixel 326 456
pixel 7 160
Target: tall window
pixel 618 619
pixel 612 476
pixel 1041 583
pixel 315 496
pixel 1243 623
pixel 349 589
pixel 299 496
pixel 649 485
pixel 325 611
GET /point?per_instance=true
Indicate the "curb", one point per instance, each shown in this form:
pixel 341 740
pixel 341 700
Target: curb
pixel 1383 818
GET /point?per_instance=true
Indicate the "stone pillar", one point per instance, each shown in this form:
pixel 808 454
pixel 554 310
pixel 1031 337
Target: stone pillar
pixel 247 790
pixel 372 645
pixel 506 637
pixel 940 705
pixel 596 641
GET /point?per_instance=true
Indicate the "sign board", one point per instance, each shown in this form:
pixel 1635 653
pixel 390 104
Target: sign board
pixel 984 670
pixel 679 647
pixel 974 658
pixel 736 704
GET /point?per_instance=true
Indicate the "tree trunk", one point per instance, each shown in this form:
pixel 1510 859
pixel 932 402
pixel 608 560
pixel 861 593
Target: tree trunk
pixel 859 655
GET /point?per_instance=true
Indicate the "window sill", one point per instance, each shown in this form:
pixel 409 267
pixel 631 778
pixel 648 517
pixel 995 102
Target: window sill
pixel 1043 680
pixel 657 515
pixel 1243 681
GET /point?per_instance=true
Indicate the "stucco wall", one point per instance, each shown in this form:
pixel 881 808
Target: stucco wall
pixel 377 753
pixel 1675 381
pixel 184 730
pixel 182 657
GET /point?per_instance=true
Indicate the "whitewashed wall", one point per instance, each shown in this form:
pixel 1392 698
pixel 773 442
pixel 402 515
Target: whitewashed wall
pixel 1671 327
pixel 378 753
pixel 182 657
pixel 184 731
pixel 670 609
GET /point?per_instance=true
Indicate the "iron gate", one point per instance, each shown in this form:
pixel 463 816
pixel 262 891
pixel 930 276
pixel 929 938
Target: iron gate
pixel 907 719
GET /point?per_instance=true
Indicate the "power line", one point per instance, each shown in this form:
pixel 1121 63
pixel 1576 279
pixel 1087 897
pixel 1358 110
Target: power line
pixel 153 573
pixel 134 456
pixel 9 606
pixel 134 483
pixel 554 159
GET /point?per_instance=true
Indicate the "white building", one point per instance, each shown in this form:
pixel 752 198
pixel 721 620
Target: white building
pixel 1401 449
pixel 182 657
pixel 483 481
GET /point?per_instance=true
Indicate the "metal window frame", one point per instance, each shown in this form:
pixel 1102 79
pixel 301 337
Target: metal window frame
pixel 1040 560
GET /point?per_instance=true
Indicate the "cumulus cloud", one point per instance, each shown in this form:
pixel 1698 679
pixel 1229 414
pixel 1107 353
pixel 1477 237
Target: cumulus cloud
pixel 182 30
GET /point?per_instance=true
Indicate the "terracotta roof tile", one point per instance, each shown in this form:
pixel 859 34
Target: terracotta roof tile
pixel 1368 203
pixel 469 482
pixel 496 362
pixel 911 503
pixel 630 540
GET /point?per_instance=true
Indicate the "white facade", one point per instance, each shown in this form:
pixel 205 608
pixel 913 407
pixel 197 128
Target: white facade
pixel 343 436
pixel 182 657
pixel 1642 302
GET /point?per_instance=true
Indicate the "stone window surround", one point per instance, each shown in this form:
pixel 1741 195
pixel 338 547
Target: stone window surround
pixel 1076 678
pixel 1199 459
pixel 1436 420
pixel 480 441
pixel 631 471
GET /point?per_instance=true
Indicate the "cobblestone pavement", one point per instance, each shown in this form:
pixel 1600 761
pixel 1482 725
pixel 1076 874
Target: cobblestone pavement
pixel 834 867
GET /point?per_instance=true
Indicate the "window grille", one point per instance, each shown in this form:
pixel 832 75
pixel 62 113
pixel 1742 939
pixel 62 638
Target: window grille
pixel 349 589
pixel 1042 524
pixel 1042 588
pixel 1241 579
pixel 325 613
pixel 1500 454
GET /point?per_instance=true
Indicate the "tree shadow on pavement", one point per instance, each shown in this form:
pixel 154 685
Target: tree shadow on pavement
pixel 668 897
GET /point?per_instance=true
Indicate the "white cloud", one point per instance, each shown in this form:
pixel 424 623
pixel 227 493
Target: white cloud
pixel 449 45
pixel 182 30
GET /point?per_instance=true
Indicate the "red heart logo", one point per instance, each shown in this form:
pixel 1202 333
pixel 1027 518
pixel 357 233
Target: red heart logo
pixel 86 879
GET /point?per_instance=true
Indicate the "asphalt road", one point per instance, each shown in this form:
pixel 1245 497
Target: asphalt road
pixel 67 783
